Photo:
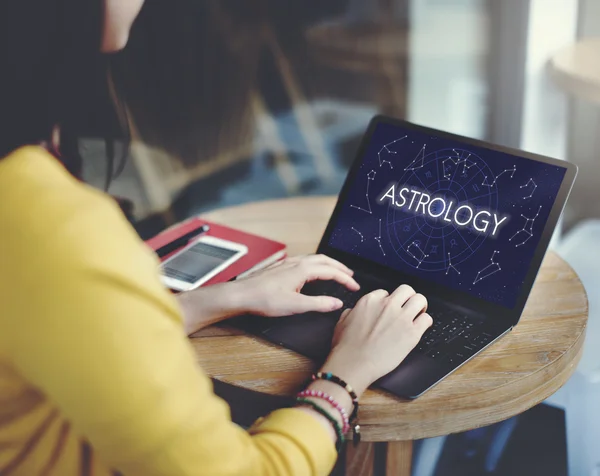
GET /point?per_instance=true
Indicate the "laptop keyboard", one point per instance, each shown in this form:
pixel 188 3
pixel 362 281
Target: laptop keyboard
pixel 453 337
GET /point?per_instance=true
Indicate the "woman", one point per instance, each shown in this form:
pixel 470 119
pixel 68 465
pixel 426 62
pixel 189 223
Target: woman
pixel 96 373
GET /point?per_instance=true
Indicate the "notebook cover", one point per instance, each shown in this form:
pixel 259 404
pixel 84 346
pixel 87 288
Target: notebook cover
pixel 259 248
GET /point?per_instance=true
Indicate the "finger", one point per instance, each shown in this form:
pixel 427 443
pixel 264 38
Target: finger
pixel 401 295
pixel 345 314
pixel 423 322
pixel 327 273
pixel 301 303
pixel 339 328
pixel 376 295
pixel 415 305
pixel 324 259
pixel 380 293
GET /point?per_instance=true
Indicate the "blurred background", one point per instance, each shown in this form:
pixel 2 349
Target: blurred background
pixel 237 101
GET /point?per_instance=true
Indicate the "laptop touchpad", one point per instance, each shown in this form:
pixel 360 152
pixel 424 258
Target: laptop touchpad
pixel 309 334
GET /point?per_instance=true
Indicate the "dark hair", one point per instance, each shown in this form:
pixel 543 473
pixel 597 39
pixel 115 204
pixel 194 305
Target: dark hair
pixel 186 76
pixel 53 73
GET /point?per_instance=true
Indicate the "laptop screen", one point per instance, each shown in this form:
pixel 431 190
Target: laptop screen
pixel 463 216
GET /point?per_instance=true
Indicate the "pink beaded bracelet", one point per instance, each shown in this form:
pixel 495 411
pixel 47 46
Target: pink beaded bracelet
pixel 330 400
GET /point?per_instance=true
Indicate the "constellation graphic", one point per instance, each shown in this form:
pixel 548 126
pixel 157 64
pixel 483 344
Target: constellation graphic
pixel 490 269
pixel 430 235
pixel 450 265
pixel 419 161
pixel 527 228
pixel 532 191
pixel 423 255
pixel 378 239
pixel 456 162
pixel 505 171
pixel 458 154
pixel 362 238
pixel 385 147
pixel 370 177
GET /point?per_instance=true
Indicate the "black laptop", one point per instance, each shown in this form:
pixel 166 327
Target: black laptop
pixel 464 222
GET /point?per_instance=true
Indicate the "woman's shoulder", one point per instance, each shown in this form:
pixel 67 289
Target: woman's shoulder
pixel 63 242
pixel 33 180
pixel 44 208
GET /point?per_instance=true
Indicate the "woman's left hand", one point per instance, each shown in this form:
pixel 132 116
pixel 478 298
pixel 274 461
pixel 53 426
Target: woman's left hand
pixel 272 292
pixel 275 291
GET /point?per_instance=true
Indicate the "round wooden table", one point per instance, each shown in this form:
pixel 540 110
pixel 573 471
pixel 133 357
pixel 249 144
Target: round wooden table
pixel 522 369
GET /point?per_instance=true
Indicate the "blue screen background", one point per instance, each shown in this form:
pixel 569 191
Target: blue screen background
pixel 489 267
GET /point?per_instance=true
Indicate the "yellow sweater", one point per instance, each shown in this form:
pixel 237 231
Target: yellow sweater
pixel 96 374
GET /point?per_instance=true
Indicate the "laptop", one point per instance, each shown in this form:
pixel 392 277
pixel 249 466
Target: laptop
pixel 464 222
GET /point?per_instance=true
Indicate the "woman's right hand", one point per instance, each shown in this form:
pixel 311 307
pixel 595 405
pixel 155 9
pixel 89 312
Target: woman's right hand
pixel 372 339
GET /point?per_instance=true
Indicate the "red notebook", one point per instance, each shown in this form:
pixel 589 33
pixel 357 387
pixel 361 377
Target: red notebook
pixel 262 252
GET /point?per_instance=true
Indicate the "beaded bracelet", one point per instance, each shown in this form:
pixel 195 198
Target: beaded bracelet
pixel 332 402
pixel 338 381
pixel 335 379
pixel 336 425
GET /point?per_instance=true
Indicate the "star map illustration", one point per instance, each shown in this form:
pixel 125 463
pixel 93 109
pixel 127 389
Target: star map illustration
pixel 456 175
pixel 527 229
pixel 370 177
pixel 450 265
pixel 528 184
pixel 490 269
pixel 419 161
pixel 385 150
pixel 462 216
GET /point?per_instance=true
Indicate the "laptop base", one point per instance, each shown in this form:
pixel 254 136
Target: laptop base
pixel 310 335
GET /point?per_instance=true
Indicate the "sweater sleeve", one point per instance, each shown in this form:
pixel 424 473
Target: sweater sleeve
pixel 99 335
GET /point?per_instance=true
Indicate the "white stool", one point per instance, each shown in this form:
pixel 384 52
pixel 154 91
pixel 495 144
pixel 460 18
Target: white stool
pixel 580 397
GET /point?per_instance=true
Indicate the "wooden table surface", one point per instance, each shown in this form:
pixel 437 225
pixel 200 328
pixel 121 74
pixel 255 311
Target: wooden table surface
pixel 521 370
pixel 576 69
